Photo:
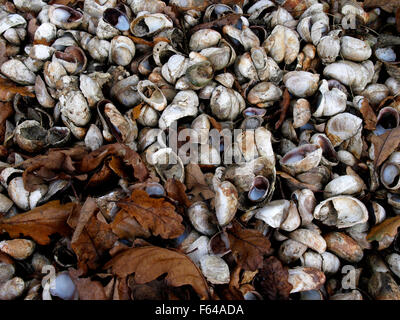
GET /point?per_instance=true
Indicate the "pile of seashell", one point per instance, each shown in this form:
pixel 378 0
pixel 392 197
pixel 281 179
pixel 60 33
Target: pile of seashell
pixel 105 71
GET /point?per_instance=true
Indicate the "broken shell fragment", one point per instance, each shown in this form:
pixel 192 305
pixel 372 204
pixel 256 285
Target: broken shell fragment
pixel 202 218
pixel 305 279
pixel 226 202
pixel 302 158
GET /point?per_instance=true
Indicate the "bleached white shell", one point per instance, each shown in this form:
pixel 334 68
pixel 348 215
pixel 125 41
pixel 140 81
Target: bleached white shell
pixel 355 49
pixel 341 211
pixel 301 83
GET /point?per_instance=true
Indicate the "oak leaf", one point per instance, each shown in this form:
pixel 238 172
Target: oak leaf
pixel 92 237
pixel 196 183
pixel 129 157
pixel 176 190
pixel 41 222
pixel 273 280
pixel 148 263
pixel 387 228
pixel 296 183
pixel 87 288
pixel 368 115
pixel 125 226
pixel 56 164
pixel 248 246
pixel 385 145
pixel 156 215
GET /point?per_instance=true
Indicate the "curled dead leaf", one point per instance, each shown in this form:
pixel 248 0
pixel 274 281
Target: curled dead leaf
pixel 385 145
pixel 155 215
pixel 41 222
pixel 148 263
pixel 248 246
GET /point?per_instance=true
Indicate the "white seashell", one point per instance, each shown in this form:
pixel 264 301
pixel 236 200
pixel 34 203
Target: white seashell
pixel 302 158
pixel 311 259
pixel 332 101
pixel 45 33
pixel 198 249
pixel 342 127
pixel 226 202
pixel 301 83
pixel 345 185
pixel 12 289
pixel 282 44
pixel 184 104
pixel 393 261
pixel 204 38
pixel 75 107
pixel 355 49
pixel 341 211
pixel 157 99
pixel 375 93
pixel 393 85
pixel 329 48
pixel 309 238
pixel 330 263
pixel 264 94
pixel 93 138
pixel 301 113
pixel 274 212
pixel 122 50
pixel 18 72
pixel 291 250
pixel 352 74
pixel 226 104
pixel 215 269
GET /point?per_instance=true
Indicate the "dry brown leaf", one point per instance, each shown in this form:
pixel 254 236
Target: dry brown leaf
pixel 385 145
pixel 6 111
pixel 56 164
pixel 156 215
pixel 65 2
pixel 248 246
pixel 129 157
pixel 386 228
pixel 387 5
pixel 41 222
pixel 87 289
pixel 196 183
pixel 8 89
pixel 148 263
pixel 229 19
pixel 92 237
pixel 284 104
pixel 368 115
pixel 126 226
pixel 398 19
pixel 273 280
pixel 176 190
pixel 297 183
